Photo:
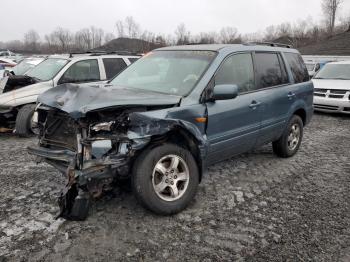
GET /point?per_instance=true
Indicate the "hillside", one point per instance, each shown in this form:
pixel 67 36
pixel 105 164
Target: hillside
pixel 128 44
pixel 335 45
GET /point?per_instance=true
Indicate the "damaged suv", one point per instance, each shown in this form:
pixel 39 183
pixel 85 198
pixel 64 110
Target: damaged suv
pixel 168 116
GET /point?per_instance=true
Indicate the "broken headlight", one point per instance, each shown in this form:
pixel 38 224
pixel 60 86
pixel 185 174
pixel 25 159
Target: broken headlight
pixel 105 126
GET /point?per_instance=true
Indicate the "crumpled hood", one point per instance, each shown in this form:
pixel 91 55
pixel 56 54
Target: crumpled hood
pixel 331 84
pixel 77 100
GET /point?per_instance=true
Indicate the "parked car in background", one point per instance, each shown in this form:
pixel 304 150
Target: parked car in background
pixel 7 54
pixel 8 64
pixel 314 67
pixel 332 88
pixel 17 102
pixel 25 65
pixel 169 116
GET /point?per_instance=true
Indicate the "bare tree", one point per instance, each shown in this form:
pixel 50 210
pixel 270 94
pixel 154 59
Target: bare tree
pixel 284 29
pixel 14 45
pixel 228 35
pixel 120 28
pixel 31 40
pixel 182 35
pixel 96 36
pixel 207 38
pixel 330 9
pixel 83 39
pixel 132 28
pixel 271 33
pixel 63 38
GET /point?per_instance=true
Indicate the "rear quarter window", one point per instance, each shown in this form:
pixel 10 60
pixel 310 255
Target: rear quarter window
pixel 298 67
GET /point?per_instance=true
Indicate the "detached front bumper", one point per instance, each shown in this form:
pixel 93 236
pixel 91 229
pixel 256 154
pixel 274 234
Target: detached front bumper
pixel 85 178
pixel 66 161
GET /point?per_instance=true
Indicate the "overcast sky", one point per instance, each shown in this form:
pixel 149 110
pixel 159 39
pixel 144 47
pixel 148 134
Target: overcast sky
pixel 159 16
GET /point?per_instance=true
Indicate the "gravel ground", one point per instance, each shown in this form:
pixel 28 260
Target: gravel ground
pixel 253 207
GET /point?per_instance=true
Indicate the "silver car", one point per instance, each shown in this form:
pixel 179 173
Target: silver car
pixel 17 102
pixel 332 88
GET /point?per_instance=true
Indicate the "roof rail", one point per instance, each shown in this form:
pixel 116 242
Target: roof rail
pixel 269 44
pixel 101 52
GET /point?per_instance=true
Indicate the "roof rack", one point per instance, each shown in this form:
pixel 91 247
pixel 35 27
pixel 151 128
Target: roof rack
pixel 101 52
pixel 269 44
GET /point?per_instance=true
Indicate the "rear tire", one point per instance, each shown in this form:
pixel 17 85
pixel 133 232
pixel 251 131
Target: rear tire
pixel 288 144
pixel 23 120
pixel 169 188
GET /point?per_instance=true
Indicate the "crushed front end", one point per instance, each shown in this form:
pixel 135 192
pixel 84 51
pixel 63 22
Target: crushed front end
pixel 92 152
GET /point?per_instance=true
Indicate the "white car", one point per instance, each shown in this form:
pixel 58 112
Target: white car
pixel 18 100
pixel 332 88
pixel 8 64
pixel 7 54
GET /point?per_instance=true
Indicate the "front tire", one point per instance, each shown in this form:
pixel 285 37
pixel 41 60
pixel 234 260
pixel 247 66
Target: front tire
pixel 288 144
pixel 24 120
pixel 165 179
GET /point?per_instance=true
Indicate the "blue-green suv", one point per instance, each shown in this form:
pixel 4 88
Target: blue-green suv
pixel 168 116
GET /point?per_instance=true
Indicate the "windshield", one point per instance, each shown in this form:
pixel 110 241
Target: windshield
pixel 334 71
pixel 47 69
pixel 23 66
pixel 310 67
pixel 169 72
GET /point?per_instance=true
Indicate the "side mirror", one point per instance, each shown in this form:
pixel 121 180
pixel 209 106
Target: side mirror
pixel 225 92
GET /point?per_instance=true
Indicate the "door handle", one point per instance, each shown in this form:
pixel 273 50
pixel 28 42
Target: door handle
pixel 254 104
pixel 291 95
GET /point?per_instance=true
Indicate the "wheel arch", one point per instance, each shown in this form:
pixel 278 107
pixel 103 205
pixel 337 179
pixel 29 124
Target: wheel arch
pixel 185 139
pixel 301 112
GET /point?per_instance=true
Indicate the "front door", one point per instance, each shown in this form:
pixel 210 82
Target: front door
pixel 233 125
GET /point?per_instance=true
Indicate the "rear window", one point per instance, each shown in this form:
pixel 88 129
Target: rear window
pixel 271 70
pixel 113 66
pixel 298 67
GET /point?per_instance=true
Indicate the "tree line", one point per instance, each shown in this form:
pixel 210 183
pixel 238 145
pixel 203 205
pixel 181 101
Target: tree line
pixel 298 34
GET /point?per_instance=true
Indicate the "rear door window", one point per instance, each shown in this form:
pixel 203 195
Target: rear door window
pixel 82 71
pixel 133 59
pixel 298 67
pixel 113 66
pixel 271 70
pixel 237 70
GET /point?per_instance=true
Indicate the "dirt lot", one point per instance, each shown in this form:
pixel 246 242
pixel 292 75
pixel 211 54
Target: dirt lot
pixel 254 207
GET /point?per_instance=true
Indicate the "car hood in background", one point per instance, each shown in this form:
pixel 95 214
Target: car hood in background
pixel 331 84
pixel 77 100
pixel 11 98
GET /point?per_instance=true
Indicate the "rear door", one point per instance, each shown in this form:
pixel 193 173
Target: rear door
pixel 276 94
pixel 233 125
